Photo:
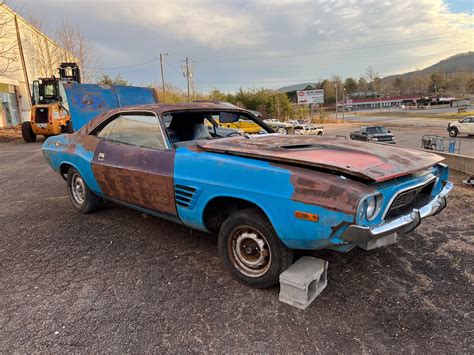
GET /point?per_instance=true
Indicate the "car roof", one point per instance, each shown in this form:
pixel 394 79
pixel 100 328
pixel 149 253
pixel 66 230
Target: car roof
pixel 162 108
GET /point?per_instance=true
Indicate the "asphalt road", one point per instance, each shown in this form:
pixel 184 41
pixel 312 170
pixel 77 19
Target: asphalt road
pixel 120 281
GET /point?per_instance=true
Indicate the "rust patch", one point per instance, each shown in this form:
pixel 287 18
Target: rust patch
pixel 326 190
pixel 364 160
pixel 142 177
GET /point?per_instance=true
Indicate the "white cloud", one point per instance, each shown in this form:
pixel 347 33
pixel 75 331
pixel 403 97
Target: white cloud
pixel 407 34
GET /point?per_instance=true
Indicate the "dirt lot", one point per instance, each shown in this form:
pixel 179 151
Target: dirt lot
pixel 118 281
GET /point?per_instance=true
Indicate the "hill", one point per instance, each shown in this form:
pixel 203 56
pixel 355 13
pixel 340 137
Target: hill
pixel 453 64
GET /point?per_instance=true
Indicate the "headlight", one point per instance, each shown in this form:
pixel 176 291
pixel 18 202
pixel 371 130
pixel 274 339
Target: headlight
pixel 374 139
pixel 374 204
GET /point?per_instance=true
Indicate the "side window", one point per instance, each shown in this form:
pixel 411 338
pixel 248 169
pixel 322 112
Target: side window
pixel 104 132
pixel 137 130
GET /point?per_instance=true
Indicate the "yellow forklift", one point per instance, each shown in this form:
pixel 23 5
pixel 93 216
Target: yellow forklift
pixel 48 114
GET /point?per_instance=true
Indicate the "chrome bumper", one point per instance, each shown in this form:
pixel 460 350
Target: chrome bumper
pixel 402 224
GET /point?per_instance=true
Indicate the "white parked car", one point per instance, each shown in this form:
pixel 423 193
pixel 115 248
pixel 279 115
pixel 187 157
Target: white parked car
pixel 463 126
pixel 305 127
pixel 280 127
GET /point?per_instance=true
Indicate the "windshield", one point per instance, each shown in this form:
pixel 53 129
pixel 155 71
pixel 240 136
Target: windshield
pixel 374 130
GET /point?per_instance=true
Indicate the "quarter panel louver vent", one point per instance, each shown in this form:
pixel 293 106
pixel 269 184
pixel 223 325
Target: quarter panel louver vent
pixel 186 196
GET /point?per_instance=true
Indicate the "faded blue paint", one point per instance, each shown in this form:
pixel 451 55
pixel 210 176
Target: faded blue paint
pixel 213 175
pixel 86 101
pixel 58 150
pixel 267 186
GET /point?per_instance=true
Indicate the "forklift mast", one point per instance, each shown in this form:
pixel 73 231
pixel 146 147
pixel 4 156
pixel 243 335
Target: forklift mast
pixel 70 72
pixel 47 91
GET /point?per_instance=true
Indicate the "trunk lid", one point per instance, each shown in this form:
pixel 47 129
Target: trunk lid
pixel 369 161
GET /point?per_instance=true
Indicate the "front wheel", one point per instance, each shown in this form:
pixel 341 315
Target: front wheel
pixel 453 132
pixel 82 198
pixel 27 132
pixel 251 249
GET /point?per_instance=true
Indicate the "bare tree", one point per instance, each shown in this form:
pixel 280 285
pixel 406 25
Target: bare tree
pixel 370 74
pixel 8 44
pixel 73 42
pixel 40 50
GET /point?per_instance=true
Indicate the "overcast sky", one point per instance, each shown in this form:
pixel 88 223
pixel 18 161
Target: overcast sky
pixel 270 43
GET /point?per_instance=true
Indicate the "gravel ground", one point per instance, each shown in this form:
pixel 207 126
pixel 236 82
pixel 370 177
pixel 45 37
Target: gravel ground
pixel 120 281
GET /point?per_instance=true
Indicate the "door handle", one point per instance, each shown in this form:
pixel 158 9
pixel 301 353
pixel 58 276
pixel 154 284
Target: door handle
pixel 101 156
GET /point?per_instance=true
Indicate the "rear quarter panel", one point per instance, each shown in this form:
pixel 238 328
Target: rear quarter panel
pixel 76 150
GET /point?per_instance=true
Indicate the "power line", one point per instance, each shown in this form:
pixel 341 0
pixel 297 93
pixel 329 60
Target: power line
pixel 172 67
pixel 329 51
pixel 336 50
pixel 266 81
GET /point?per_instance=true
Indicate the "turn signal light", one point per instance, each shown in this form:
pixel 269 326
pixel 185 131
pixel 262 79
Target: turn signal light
pixel 312 217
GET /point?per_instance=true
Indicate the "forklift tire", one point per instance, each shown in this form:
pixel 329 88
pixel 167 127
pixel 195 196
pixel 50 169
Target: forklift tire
pixel 27 132
pixel 69 127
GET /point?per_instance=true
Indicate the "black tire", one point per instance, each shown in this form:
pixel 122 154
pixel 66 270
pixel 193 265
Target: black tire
pixel 248 235
pixel 82 198
pixel 453 132
pixel 69 128
pixel 320 133
pixel 27 132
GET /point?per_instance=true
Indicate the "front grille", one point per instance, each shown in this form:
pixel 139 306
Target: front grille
pixel 41 115
pixel 185 196
pixel 406 201
pixel 385 138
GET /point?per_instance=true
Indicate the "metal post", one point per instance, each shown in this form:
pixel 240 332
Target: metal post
pixel 336 100
pixel 163 77
pixel 187 76
pixel 22 56
pixel 343 104
pixel 380 101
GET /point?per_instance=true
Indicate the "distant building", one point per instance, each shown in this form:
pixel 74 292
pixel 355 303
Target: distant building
pixel 384 102
pixel 26 54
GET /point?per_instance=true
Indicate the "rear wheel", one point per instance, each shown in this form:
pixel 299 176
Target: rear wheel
pixel 251 249
pixel 82 198
pixel 27 132
pixel 453 132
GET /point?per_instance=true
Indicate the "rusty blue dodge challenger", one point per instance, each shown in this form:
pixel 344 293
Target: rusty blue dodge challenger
pixel 265 194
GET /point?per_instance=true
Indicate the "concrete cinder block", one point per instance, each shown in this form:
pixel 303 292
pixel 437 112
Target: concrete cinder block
pixel 303 281
pixel 380 242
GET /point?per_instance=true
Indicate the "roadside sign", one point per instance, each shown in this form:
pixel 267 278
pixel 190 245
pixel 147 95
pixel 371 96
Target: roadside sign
pixel 310 96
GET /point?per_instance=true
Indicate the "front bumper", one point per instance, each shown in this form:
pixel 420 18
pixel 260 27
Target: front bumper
pixel 402 224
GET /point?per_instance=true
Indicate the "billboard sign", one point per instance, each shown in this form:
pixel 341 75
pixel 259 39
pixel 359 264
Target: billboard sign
pixel 310 96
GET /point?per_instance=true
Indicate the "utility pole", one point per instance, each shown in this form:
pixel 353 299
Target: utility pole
pixel 336 100
pixel 187 76
pixel 22 55
pixel 163 76
pixel 380 101
pixel 343 104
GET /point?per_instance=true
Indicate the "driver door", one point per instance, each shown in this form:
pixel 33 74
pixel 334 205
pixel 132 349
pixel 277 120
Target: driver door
pixel 133 164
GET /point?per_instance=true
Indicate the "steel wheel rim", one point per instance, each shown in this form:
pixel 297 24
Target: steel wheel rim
pixel 249 251
pixel 78 189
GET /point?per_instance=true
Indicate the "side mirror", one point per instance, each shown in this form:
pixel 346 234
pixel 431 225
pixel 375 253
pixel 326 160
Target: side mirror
pixel 389 131
pixel 228 117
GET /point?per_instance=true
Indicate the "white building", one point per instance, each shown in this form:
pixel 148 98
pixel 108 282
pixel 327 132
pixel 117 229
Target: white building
pixel 26 54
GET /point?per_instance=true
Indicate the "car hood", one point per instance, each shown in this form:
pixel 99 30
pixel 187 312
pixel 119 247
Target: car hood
pixel 375 162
